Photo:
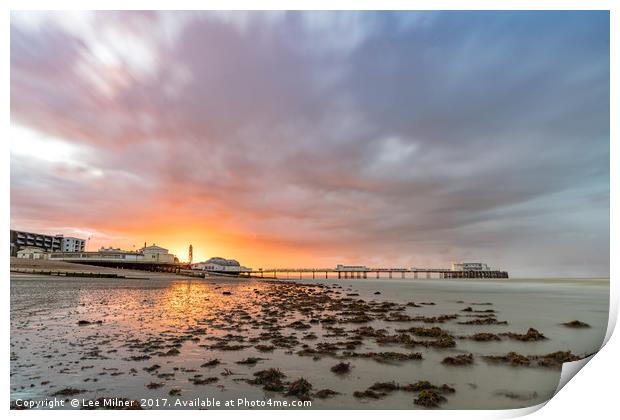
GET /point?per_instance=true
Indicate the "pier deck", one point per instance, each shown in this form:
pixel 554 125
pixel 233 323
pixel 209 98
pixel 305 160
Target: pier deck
pixel 378 272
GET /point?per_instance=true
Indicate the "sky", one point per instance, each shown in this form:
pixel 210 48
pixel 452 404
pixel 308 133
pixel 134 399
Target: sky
pixel 289 139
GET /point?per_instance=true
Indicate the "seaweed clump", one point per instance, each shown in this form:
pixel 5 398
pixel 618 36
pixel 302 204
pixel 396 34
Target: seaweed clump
pixel 460 360
pixel 512 358
pixel 429 395
pixel 67 392
pixel 532 334
pixel 250 361
pixel 576 324
pixel 483 336
pixel 325 393
pixel 270 379
pixel 551 360
pixel 197 380
pixel 369 394
pixel 341 368
pixel 386 357
pixel 429 398
pixel 300 388
pixel 556 359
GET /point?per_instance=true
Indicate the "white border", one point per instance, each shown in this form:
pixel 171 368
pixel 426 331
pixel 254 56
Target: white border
pixel 592 395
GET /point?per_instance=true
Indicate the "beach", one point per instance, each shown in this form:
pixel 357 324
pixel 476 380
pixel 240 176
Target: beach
pixel 167 337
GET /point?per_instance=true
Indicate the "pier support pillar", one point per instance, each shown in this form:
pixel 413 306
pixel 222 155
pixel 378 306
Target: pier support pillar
pixel 339 274
pixel 365 275
pixel 312 273
pixel 403 273
pixel 390 274
pixel 377 274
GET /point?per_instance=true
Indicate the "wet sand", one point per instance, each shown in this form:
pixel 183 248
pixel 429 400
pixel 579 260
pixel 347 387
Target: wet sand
pixel 373 342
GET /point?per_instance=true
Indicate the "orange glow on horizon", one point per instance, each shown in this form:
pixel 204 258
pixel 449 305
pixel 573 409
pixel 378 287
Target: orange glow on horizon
pixel 250 250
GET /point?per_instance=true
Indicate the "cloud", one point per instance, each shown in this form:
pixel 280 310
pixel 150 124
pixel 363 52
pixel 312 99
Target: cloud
pixel 404 138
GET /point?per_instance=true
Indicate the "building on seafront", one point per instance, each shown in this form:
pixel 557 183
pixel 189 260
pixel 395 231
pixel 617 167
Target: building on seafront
pixel 221 265
pixel 152 254
pixel 341 267
pixel 32 253
pixel 71 244
pixel 470 266
pixel 46 243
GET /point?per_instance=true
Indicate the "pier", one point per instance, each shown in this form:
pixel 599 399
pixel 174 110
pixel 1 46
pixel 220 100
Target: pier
pixel 164 262
pixel 364 273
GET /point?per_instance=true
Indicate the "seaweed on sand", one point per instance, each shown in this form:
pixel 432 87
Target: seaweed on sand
pixel 250 361
pixel 369 394
pixel 532 334
pixel 484 321
pixel 551 360
pixel 556 359
pixel 483 336
pixel 384 386
pixel 385 357
pixel 271 379
pixel 300 388
pixel 429 398
pixel 341 368
pixel 172 352
pixel 576 324
pixel 460 360
pixel 151 368
pixel 197 380
pixel 211 363
pixel 67 392
pixel 425 332
pixel 264 347
pixel 325 393
pixel 512 358
pixel 425 385
pixel 429 395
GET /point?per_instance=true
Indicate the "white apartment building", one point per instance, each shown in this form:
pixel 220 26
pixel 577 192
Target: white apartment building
pixel 71 244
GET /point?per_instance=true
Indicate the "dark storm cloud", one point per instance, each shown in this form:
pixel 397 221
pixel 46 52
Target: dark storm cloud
pixel 387 138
